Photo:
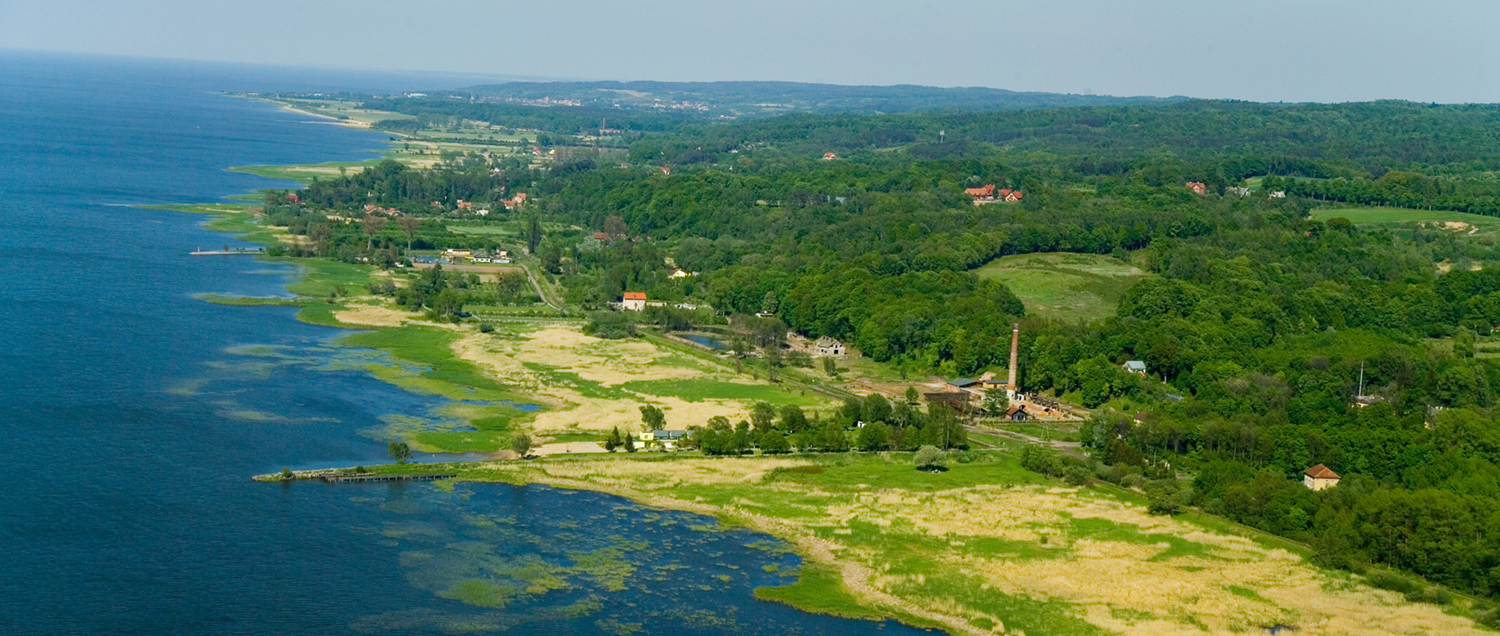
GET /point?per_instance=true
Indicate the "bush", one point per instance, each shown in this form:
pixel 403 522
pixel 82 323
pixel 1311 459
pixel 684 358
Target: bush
pixel 929 457
pixel 1165 496
pixel 610 325
pixel 485 327
pixel 1490 619
pixel 521 444
pixel 1076 476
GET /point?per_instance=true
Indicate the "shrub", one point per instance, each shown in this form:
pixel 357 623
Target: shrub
pixel 929 457
pixel 286 473
pixel 521 444
pixel 399 451
pixel 1490 619
pixel 610 325
pixel 1076 476
pixel 1165 496
pixel 485 327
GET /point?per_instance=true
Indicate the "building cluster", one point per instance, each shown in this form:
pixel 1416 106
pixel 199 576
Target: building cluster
pixel 990 194
pixel 637 301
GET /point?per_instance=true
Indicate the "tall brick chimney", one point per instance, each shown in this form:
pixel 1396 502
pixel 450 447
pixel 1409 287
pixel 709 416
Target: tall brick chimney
pixel 1015 344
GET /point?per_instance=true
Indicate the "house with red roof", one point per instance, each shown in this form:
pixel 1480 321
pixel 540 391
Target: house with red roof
pixel 1320 477
pixel 985 193
pixel 1198 187
pixel 633 301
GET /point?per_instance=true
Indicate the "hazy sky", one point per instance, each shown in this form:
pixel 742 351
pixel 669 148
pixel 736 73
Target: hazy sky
pixel 1277 50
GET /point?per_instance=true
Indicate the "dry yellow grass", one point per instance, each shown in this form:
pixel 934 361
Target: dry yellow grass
pixel 374 315
pixel 607 362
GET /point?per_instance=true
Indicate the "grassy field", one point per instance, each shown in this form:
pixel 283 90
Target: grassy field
pixel 987 547
pixel 1064 286
pixel 1405 216
pixel 699 389
pixel 306 173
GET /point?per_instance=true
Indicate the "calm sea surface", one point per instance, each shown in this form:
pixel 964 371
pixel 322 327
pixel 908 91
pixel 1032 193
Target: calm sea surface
pixel 134 415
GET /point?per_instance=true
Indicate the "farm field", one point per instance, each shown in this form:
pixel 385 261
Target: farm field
pixel 987 547
pixel 1406 216
pixel 1064 286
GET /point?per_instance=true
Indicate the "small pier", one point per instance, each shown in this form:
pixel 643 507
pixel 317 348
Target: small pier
pixel 347 479
pixel 227 253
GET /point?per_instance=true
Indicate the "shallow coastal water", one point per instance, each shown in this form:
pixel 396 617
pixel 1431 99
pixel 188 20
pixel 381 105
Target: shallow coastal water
pixel 135 414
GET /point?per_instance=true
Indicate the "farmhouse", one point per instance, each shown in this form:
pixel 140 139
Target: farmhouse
pixel 457 255
pixel 1320 477
pixel 985 193
pixel 1134 366
pixel 1017 413
pixel 830 156
pixel 664 440
pixel 634 301
pixel 1010 196
pixel 1198 187
pixel 828 348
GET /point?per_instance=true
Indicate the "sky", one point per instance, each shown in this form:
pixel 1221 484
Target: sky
pixel 1274 50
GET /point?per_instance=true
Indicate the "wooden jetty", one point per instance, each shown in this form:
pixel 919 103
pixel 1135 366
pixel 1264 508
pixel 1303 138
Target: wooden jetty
pixel 226 253
pixel 346 479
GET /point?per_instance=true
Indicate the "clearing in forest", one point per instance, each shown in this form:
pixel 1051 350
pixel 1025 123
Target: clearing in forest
pixel 1064 285
pixel 1456 221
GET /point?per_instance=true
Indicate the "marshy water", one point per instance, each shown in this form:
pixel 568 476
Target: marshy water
pixel 135 414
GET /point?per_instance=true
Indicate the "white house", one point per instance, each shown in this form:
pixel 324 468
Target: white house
pixel 665 440
pixel 1320 477
pixel 828 347
pixel 634 301
pixel 1135 366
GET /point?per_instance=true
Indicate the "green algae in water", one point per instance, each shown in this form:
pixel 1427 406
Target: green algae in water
pixel 482 593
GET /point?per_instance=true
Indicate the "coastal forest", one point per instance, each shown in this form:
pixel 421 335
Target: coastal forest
pixel 1279 330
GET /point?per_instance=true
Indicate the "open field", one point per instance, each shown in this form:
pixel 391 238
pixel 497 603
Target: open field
pixel 305 173
pixel 590 385
pixel 1062 285
pixel 1405 216
pixel 987 547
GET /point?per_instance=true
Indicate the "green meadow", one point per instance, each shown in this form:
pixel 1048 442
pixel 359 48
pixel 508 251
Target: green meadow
pixel 1064 286
pixel 1403 216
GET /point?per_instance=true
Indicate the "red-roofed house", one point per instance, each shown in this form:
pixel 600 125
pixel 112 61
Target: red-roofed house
pixel 1320 477
pixel 634 301
pixel 1012 195
pixel 1197 187
pixel 829 156
pixel 986 193
pixel 601 236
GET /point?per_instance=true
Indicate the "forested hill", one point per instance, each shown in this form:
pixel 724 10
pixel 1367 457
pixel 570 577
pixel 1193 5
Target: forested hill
pixel 758 99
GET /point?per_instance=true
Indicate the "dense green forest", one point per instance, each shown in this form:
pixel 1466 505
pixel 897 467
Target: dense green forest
pixel 1256 321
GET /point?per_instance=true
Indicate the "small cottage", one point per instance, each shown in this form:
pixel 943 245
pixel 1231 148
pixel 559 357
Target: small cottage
pixel 1134 366
pixel 634 301
pixel 1320 477
pixel 829 348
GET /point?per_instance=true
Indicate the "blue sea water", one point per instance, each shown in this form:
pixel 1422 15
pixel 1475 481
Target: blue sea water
pixel 133 418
